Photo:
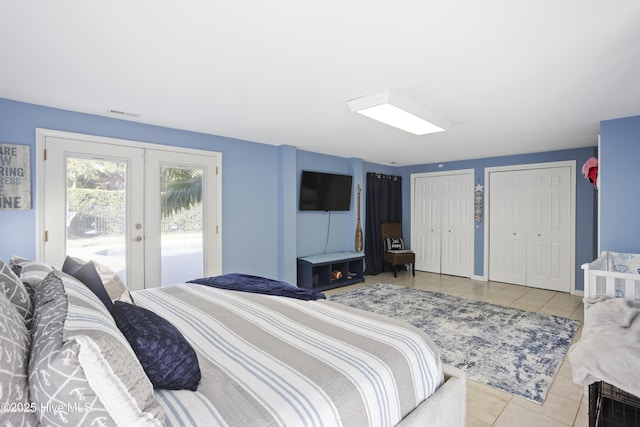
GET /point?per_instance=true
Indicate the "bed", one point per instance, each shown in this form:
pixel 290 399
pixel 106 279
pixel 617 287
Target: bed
pixel 193 354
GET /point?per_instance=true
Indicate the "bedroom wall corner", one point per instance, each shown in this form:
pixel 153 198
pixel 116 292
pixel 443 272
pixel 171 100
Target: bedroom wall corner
pixel 619 175
pixel 287 247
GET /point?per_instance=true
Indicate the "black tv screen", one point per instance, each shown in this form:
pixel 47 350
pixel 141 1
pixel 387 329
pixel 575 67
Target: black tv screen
pixel 325 191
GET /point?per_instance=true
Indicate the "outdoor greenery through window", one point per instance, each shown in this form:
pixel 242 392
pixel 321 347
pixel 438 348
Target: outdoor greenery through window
pixel 96 216
pixel 181 199
pixel 95 198
pixel 182 224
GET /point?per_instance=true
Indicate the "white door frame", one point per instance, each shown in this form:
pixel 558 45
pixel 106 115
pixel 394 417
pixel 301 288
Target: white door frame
pixel 471 173
pixel 572 222
pixel 154 161
pixel 42 134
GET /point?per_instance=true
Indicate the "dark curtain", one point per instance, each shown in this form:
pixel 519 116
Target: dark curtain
pixel 383 204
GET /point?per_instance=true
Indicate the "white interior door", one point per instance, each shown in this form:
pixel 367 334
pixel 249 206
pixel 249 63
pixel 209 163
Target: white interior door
pixel 507 241
pixel 457 224
pixel 427 239
pixel 548 250
pixel 107 202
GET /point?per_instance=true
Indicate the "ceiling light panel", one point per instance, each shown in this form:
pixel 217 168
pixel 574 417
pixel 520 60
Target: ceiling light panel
pixel 388 108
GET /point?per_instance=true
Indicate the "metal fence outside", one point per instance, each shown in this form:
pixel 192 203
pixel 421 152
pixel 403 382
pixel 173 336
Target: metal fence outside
pixel 102 221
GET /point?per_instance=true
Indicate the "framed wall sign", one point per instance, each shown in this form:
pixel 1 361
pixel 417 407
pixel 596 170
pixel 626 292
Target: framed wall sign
pixel 15 177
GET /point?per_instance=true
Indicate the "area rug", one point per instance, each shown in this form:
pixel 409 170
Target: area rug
pixel 513 350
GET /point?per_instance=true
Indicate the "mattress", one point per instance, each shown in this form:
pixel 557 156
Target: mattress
pixel 276 361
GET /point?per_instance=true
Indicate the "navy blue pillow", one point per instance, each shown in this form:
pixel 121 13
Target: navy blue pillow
pixel 70 265
pixel 166 356
pixel 88 275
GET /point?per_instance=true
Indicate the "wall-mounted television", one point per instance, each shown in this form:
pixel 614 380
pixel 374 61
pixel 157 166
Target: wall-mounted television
pixel 325 191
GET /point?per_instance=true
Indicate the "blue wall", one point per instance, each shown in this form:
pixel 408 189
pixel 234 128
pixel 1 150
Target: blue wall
pixel 320 232
pixel 311 231
pixel 262 229
pixel 585 199
pixel 619 168
pixel 251 208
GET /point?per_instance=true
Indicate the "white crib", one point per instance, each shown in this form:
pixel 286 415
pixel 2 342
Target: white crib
pixel 613 274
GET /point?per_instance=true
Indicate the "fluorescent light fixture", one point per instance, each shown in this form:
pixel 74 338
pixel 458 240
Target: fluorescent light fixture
pixel 388 108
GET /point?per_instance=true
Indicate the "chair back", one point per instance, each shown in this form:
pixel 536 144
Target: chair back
pixel 391 230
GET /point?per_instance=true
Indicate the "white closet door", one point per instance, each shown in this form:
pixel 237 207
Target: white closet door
pixel 530 227
pixel 442 234
pixel 427 234
pixel 457 216
pixel 507 223
pixel 548 250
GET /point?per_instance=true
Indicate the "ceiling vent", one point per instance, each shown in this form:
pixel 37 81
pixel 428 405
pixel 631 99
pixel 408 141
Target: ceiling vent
pixel 123 113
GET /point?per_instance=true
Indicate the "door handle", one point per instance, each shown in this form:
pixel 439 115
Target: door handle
pixel 137 239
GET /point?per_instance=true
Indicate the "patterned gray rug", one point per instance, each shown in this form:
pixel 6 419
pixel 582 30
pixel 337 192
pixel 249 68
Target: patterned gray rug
pixel 513 350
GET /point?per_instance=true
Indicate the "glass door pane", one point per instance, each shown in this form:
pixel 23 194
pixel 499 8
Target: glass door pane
pixel 151 215
pixel 96 212
pixel 93 206
pixel 181 240
pixel 181 225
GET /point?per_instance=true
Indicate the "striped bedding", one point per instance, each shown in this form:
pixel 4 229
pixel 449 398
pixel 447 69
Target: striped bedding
pixel 276 361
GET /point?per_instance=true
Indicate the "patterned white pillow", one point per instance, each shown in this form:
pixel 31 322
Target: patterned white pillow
pixel 15 292
pixel 115 288
pixel 80 358
pixel 15 341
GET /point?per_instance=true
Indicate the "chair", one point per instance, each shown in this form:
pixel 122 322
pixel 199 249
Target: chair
pixel 395 252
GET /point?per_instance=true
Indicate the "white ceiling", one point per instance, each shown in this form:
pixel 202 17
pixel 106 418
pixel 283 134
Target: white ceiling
pixel 513 76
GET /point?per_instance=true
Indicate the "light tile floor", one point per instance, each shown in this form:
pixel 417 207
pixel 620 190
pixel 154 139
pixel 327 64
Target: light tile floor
pixel 565 405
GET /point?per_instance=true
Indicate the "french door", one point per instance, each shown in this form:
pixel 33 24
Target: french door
pixel 148 212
